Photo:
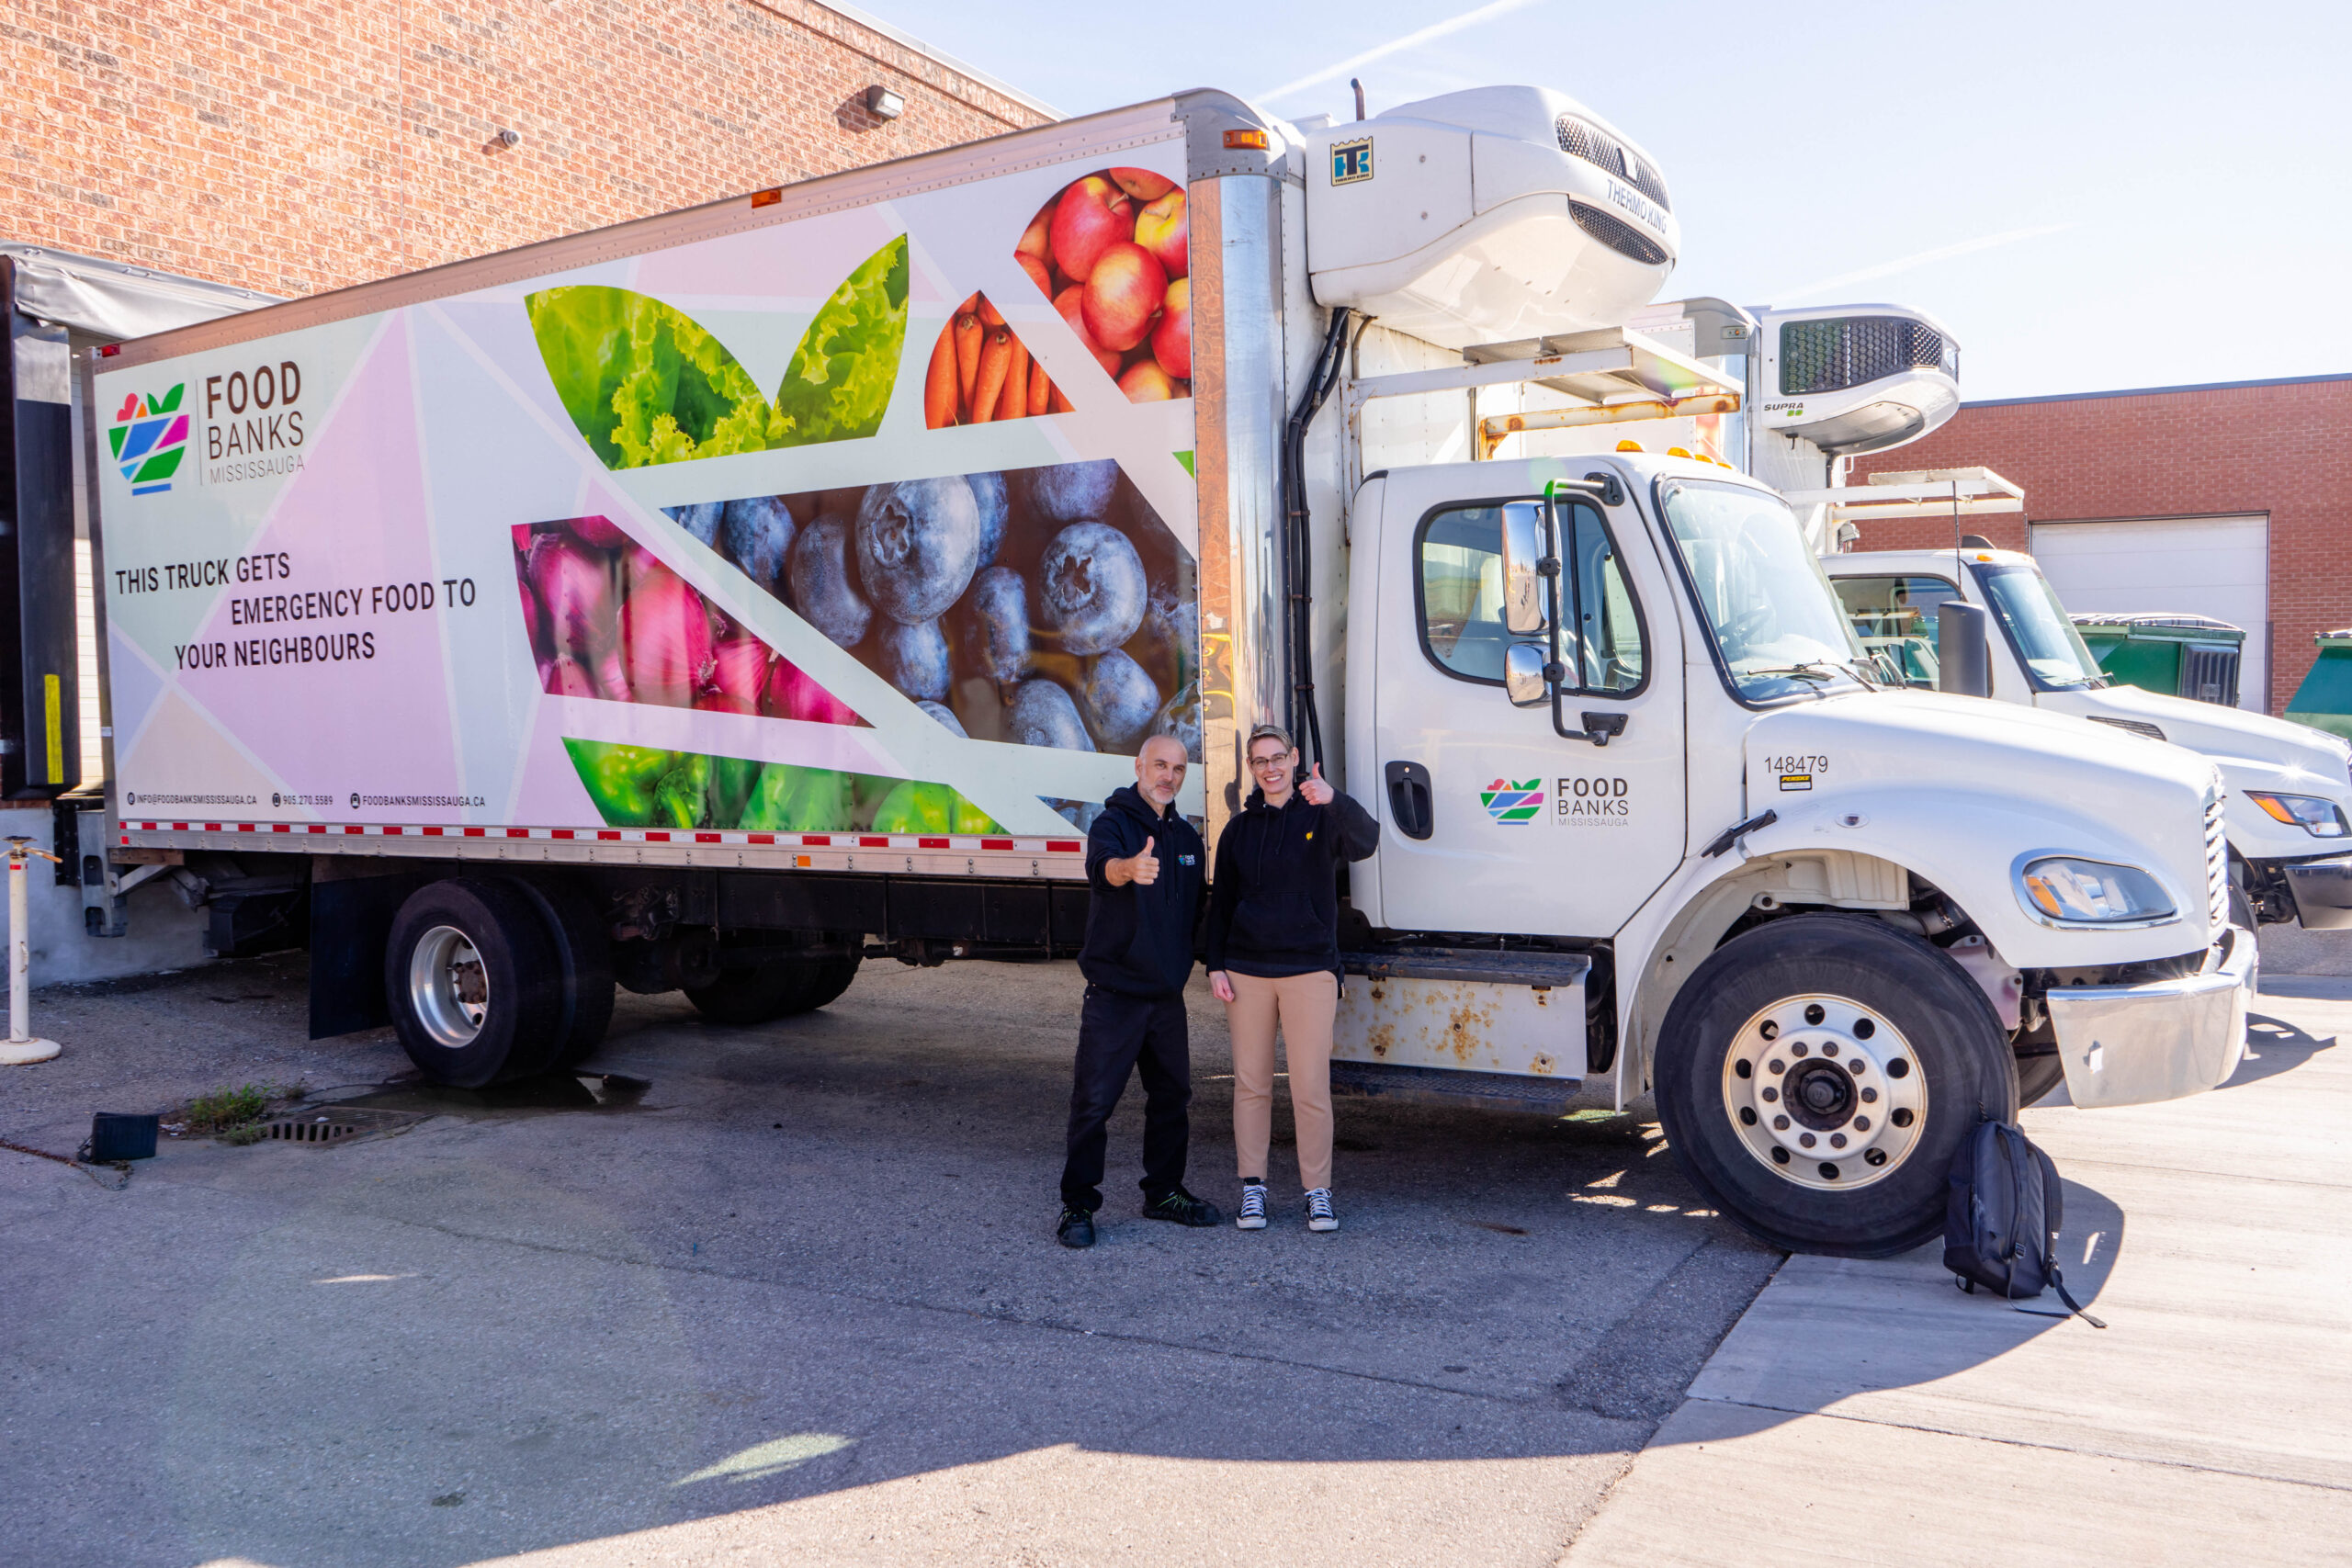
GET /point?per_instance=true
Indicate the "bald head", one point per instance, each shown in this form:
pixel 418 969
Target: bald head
pixel 1160 770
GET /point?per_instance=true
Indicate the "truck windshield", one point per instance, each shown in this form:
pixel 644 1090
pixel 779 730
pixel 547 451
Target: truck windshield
pixel 1777 626
pixel 2038 629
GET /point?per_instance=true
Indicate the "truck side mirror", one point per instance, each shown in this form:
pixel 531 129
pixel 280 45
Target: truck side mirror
pixel 1523 675
pixel 1524 548
pixel 1963 663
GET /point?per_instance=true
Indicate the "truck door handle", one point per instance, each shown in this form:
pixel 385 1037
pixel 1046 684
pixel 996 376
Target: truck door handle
pixel 1408 799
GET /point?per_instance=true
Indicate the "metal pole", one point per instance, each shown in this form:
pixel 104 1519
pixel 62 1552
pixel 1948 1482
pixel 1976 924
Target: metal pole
pixel 21 1049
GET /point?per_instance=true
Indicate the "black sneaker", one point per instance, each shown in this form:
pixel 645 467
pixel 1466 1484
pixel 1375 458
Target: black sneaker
pixel 1077 1228
pixel 1181 1208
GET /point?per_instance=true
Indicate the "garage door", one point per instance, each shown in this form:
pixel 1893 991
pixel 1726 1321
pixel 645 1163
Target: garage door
pixel 2198 566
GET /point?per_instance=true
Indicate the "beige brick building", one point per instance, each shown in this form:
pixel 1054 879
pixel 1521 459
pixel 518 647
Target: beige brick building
pixel 289 146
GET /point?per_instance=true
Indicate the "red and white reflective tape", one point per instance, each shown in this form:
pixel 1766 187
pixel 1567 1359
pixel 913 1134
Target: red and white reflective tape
pixel 966 842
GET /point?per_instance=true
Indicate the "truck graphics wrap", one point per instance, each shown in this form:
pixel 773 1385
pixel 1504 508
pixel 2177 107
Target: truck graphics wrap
pixel 874 521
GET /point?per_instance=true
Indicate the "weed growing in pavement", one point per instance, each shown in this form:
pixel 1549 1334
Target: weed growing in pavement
pixel 226 1111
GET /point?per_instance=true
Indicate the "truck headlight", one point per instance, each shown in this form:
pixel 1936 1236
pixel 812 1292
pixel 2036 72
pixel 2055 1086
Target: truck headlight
pixel 2066 891
pixel 2318 817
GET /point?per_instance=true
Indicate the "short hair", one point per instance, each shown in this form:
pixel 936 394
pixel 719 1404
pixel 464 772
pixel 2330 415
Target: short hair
pixel 1269 732
pixel 1171 737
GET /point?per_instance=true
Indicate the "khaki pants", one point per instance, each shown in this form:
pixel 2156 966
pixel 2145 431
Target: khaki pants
pixel 1303 1005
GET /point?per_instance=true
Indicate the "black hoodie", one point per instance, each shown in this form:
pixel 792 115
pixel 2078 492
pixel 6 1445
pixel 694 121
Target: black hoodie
pixel 1275 904
pixel 1139 939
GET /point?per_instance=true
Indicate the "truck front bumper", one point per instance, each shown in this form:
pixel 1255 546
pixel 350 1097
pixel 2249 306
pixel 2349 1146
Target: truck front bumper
pixel 2323 891
pixel 2131 1044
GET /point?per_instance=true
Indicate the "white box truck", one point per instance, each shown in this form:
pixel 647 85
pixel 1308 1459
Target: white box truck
pixel 715 601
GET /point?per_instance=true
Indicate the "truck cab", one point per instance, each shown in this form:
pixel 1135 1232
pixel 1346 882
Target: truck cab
pixel 2290 806
pixel 1611 706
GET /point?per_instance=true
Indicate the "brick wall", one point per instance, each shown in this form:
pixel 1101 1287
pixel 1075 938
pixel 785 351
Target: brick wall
pixel 2283 448
pixel 293 146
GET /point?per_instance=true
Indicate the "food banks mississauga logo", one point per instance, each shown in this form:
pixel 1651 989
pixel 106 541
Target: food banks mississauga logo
pixel 1513 805
pixel 149 437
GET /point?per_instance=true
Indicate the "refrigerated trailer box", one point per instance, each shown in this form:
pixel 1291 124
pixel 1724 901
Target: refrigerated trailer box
pixel 716 601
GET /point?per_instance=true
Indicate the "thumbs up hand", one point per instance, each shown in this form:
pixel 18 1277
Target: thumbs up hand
pixel 1142 868
pixel 1317 792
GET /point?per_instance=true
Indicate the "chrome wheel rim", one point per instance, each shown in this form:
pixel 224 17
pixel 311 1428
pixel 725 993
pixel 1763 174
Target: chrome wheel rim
pixel 448 987
pixel 1825 1092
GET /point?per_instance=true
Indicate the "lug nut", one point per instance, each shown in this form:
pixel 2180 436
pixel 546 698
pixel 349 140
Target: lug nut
pixel 1864 1029
pixel 1747 1116
pixel 1902 1116
pixel 1798 1049
pixel 1770 1094
pixel 1815 1012
pixel 1862 1123
pixel 1870 1096
pixel 1857 1063
pixel 1806 1139
pixel 1829 1048
pixel 1775 1065
pixel 1780 1123
pixel 1837 1140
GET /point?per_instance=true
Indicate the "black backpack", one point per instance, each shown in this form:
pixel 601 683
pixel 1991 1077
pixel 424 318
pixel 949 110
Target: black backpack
pixel 2002 1211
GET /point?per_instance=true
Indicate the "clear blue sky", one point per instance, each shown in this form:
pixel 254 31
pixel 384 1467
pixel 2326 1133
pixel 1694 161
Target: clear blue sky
pixel 2107 195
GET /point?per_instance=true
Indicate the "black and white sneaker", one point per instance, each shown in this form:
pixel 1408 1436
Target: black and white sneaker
pixel 1320 1216
pixel 1252 1216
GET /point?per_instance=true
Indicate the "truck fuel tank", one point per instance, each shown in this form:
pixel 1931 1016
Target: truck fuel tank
pixel 1483 216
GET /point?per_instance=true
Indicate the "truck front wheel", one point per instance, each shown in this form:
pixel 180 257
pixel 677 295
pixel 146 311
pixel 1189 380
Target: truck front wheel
pixel 1816 1077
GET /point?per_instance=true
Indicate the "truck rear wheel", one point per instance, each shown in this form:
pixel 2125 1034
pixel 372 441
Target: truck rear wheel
pixel 474 981
pixel 584 959
pixel 1817 1076
pixel 781 987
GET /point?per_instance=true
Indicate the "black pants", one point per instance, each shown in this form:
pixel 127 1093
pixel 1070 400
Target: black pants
pixel 1118 1034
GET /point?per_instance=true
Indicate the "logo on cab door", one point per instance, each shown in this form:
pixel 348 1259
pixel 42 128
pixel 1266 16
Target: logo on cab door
pixel 1513 805
pixel 1592 803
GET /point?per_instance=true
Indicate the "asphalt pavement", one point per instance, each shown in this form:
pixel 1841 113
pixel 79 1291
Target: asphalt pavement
pixel 799 1299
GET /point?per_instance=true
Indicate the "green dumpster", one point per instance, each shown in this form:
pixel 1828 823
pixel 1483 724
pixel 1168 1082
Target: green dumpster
pixel 2325 699
pixel 2181 656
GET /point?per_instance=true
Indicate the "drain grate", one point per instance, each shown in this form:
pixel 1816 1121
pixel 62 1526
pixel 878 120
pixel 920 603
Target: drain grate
pixel 336 1124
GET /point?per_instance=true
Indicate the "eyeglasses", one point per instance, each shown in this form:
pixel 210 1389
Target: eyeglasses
pixel 1260 765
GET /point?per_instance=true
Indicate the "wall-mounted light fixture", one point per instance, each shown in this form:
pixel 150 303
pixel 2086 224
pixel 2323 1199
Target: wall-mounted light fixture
pixel 884 104
pixel 509 138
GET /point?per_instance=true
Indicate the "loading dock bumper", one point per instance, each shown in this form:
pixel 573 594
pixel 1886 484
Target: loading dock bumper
pixel 2133 1044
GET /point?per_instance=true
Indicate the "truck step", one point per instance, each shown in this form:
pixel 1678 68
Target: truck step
pixel 1453 1086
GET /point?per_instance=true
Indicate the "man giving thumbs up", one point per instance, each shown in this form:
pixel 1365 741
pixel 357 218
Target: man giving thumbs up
pixel 1143 867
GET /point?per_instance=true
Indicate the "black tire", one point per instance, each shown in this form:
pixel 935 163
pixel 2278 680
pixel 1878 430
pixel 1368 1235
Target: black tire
pixel 519 997
pixel 1929 1024
pixel 781 987
pixel 584 960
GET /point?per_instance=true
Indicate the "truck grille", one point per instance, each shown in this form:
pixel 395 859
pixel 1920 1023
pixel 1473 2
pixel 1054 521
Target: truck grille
pixel 1845 351
pixel 1620 237
pixel 1598 148
pixel 2210 674
pixel 2217 862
